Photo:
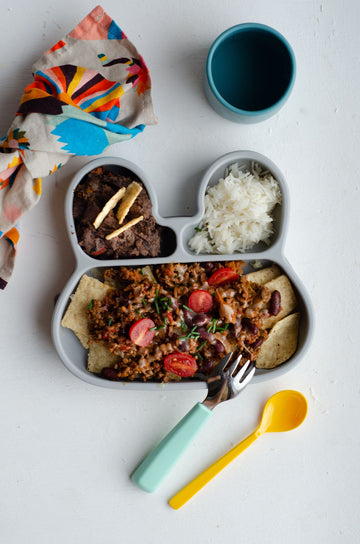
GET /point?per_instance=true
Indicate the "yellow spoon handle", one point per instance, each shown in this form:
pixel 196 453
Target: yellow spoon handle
pixel 200 481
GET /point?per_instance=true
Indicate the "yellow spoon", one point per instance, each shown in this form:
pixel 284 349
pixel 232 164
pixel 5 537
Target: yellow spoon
pixel 283 411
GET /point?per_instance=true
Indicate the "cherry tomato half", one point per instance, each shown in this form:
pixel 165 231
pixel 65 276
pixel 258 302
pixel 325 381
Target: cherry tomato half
pixel 180 364
pixel 200 301
pixel 140 332
pixel 223 275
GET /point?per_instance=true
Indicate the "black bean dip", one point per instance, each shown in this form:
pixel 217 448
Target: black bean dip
pixel 90 196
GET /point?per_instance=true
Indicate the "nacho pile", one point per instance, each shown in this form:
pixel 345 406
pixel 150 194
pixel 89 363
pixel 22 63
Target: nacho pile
pixel 240 317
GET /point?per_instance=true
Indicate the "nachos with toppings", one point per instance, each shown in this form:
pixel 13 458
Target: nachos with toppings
pixel 172 321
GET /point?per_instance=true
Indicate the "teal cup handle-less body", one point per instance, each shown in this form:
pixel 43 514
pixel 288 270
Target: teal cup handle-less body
pixel 250 72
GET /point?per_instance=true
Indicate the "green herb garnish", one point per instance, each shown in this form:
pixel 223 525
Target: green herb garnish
pixel 91 304
pixel 156 301
pixel 201 345
pixel 163 326
pixel 212 326
pixel 192 334
pixel 110 321
pixel 198 229
pixel 163 303
pixel 224 328
pixel 159 327
pixel 187 308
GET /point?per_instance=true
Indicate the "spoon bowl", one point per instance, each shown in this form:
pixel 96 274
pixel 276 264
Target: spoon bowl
pixel 284 411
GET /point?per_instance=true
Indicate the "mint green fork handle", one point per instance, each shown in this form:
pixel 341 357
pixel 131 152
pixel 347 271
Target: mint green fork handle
pixel 155 467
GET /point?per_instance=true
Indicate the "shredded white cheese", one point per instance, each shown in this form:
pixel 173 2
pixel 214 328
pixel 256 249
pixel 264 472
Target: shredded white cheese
pixel 237 211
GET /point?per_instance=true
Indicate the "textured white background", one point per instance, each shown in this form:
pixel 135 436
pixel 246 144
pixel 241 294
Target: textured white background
pixel 68 448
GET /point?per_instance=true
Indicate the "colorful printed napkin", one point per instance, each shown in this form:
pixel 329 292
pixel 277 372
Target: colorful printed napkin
pixel 90 90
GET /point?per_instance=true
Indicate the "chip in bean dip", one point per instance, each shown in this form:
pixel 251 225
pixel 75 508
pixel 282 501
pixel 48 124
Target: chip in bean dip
pixel 113 216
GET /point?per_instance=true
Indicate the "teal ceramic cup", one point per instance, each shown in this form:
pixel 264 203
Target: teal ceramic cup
pixel 250 72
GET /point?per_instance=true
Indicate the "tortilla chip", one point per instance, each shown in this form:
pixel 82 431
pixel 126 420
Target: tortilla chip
pixel 84 338
pixel 264 275
pixel 100 357
pixel 124 227
pixel 75 316
pixel 288 299
pixel 281 343
pixel 130 196
pixel 110 204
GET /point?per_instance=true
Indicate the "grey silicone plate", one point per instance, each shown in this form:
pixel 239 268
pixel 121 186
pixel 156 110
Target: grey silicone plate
pixel 179 230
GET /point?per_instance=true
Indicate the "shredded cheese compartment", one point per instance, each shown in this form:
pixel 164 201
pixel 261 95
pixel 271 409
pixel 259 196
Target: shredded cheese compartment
pixel 237 211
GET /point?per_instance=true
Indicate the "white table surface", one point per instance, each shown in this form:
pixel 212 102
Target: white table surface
pixel 68 448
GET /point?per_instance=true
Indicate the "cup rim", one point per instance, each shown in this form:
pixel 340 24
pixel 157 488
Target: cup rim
pixel 229 32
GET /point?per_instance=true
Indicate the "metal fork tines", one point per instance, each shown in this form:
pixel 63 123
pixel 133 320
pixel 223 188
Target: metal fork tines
pixel 228 380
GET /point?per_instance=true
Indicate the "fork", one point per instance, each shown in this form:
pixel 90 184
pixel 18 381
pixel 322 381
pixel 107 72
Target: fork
pixel 224 383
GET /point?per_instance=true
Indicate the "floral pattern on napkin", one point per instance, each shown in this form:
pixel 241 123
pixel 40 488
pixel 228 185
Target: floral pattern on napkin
pixel 90 90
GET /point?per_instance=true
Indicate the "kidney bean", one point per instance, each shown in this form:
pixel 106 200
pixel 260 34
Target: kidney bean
pixel 201 319
pixel 110 373
pixel 183 345
pixel 237 327
pixel 188 317
pixel 206 367
pixel 257 343
pixel 251 327
pixel 218 346
pixel 206 335
pixel 275 303
pixel 208 267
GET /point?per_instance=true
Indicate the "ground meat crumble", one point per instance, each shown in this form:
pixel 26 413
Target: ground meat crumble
pixel 161 293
